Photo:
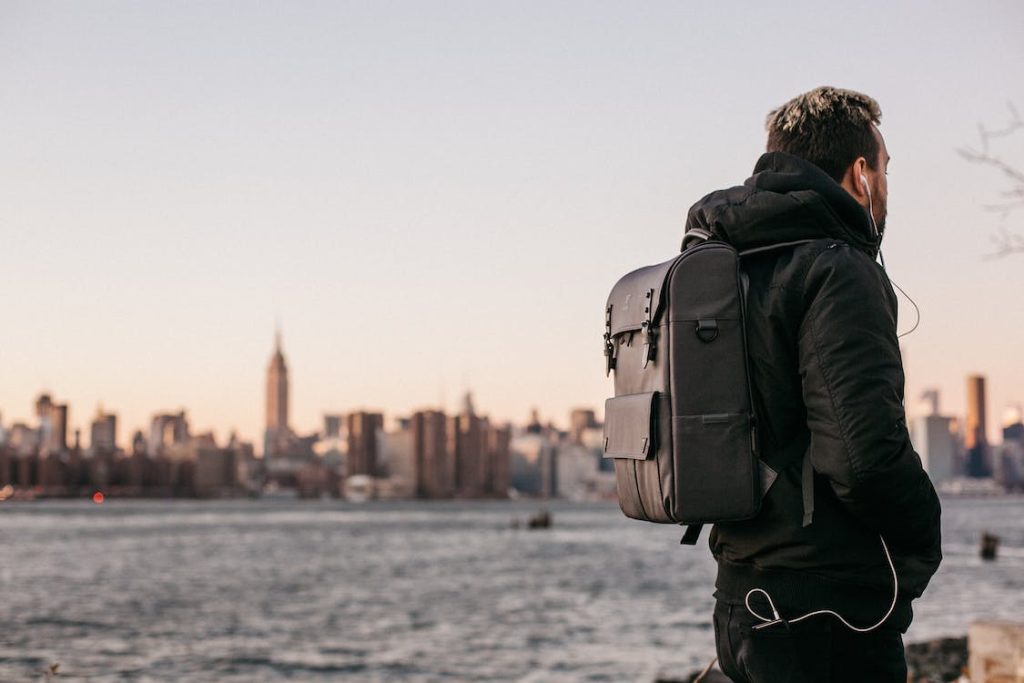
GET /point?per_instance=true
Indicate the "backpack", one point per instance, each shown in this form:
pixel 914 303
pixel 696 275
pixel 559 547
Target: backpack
pixel 681 428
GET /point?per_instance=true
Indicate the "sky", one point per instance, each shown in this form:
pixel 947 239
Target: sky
pixel 432 197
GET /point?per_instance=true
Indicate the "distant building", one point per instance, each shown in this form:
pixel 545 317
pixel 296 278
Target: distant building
pixel 103 432
pixel 1013 424
pixel 1009 470
pixel 534 426
pixel 168 433
pixel 53 424
pixel 935 441
pixel 398 459
pixel 498 452
pixel 332 426
pixel 462 456
pixel 580 473
pixel 580 420
pixel 23 440
pixel 435 464
pixel 466 438
pixel 975 442
pixel 277 434
pixel 533 462
pixel 363 450
pixel 216 472
pixel 58 439
pixel 138 443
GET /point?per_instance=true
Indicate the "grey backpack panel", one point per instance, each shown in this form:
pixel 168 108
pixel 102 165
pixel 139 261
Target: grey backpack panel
pixel 681 427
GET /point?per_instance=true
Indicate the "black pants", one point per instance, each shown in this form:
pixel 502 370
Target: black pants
pixel 816 650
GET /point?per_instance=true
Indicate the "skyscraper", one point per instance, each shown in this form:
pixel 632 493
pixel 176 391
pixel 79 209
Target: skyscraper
pixel 580 420
pixel 363 451
pixel 166 432
pixel 53 424
pixel 103 432
pixel 332 426
pixel 435 472
pixel 976 444
pixel 933 438
pixel 277 431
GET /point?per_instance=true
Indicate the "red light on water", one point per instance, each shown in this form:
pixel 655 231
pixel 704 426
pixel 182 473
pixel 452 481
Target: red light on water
pixel 98 497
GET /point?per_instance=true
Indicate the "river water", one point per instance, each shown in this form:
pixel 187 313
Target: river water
pixel 270 590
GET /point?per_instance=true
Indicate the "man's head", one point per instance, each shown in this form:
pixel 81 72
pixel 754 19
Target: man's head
pixel 837 131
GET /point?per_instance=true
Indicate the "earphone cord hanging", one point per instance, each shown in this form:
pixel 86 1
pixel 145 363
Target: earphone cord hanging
pixel 871 215
pixel 777 619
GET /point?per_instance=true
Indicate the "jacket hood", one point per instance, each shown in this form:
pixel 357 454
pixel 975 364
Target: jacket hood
pixel 786 199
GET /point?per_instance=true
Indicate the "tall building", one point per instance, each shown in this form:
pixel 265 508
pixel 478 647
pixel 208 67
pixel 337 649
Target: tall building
pixel 332 426
pixel 53 424
pixel 1013 423
pixel 580 420
pixel 103 432
pixel 435 475
pixel 43 405
pixel 398 456
pixel 166 431
pixel 466 434
pixel 1009 461
pixel 978 464
pixel 277 431
pixel 499 440
pixel 363 450
pixel 58 441
pixel 934 440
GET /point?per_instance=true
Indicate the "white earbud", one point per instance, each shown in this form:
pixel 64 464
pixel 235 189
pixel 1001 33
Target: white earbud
pixel 871 209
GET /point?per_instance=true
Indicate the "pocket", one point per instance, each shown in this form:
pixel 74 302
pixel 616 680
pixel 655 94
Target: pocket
pixel 718 475
pixel 629 426
pixel 631 439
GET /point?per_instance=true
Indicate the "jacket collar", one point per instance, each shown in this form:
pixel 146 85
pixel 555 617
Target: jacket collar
pixel 786 199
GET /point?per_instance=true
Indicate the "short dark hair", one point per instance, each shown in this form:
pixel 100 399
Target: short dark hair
pixel 829 127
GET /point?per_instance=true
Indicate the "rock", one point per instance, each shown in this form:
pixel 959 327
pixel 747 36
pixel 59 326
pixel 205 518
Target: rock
pixel 541 520
pixel 989 546
pixel 936 661
pixel 997 651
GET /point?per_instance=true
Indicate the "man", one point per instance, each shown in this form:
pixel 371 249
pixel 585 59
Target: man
pixel 828 389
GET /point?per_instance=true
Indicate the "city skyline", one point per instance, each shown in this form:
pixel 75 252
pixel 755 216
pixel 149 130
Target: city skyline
pixel 438 198
pixel 276 423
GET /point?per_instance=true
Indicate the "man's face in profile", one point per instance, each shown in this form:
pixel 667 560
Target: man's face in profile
pixel 878 182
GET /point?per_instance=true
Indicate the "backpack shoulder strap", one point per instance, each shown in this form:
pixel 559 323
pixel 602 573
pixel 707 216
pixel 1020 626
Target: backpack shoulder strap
pixel 694 236
pixel 691 534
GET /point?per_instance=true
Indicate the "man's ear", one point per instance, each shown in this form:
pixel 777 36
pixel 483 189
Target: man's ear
pixel 852 180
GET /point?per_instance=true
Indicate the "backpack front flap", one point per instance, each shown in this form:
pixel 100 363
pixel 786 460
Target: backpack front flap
pixel 637 419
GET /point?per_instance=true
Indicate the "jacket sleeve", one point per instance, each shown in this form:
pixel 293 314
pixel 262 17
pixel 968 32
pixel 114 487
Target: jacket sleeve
pixel 852 379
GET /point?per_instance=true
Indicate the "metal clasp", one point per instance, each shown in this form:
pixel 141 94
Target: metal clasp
pixel 647 327
pixel 609 345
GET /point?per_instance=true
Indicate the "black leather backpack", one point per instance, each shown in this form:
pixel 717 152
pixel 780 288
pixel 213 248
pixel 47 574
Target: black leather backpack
pixel 682 428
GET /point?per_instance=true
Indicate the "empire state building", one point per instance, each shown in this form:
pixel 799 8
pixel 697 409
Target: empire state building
pixel 277 434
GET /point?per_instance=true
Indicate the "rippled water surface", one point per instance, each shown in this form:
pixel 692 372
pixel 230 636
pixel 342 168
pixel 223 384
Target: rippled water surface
pixel 266 591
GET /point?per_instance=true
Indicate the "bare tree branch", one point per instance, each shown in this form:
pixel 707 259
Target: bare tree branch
pixel 1006 241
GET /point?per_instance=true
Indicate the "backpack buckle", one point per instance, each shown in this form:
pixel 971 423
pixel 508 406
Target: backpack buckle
pixel 647 327
pixel 609 345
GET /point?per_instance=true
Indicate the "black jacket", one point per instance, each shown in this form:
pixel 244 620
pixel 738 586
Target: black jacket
pixel 826 370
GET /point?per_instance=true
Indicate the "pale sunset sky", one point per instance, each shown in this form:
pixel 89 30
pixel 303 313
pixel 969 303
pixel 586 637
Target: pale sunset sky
pixel 435 196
